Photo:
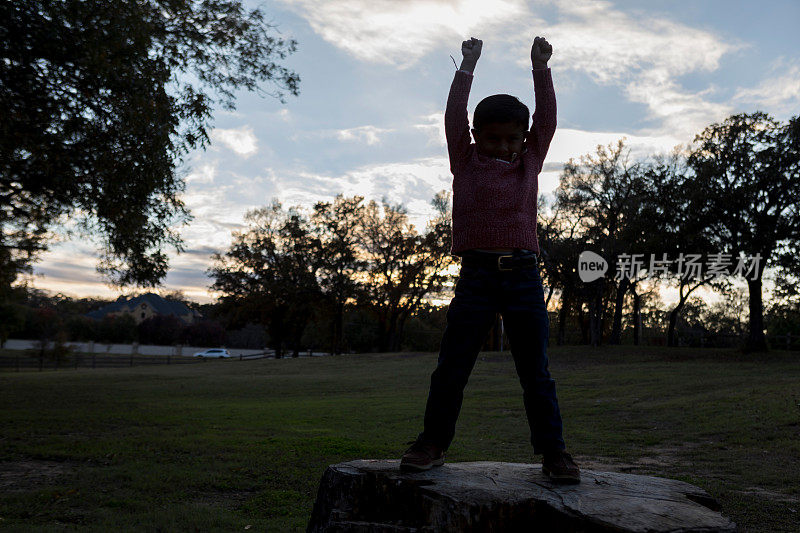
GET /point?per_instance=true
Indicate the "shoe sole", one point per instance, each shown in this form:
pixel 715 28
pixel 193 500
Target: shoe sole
pixel 563 477
pixel 421 468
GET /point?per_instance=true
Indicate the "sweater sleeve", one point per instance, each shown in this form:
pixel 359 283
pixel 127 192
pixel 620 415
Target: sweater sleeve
pixel 544 117
pixel 456 123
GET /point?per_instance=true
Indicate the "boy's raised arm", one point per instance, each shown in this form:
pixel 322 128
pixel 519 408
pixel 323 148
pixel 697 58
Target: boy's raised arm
pixel 456 123
pixel 544 116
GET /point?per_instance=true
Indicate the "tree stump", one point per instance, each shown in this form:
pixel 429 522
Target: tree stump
pixel 375 496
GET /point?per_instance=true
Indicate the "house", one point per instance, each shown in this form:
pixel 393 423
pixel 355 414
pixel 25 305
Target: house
pixel 145 306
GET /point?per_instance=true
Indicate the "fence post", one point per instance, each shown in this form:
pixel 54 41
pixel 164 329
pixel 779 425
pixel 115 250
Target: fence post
pixel 168 358
pixel 240 357
pixel 93 356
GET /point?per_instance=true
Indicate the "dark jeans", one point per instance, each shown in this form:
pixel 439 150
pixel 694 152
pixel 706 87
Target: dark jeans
pixel 481 293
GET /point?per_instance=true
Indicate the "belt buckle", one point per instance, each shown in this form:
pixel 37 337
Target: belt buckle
pixel 499 264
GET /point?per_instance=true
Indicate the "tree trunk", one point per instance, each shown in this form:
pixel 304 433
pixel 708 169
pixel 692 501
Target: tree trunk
pixel 756 341
pixel 398 334
pixel 338 331
pixel 596 315
pixel 387 332
pixel 297 326
pixel 673 321
pixel 616 328
pixel 563 315
pixel 332 339
pixel 549 295
pixel 637 318
pixel 584 323
pixel 276 328
pixel 383 333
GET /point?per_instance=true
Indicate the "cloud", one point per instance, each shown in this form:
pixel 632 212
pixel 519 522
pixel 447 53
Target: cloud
pixel 413 183
pixel 572 143
pixel 433 126
pixel 205 174
pixel 779 93
pixel 369 135
pixel 217 213
pixel 645 56
pixel 399 33
pixel 69 268
pixel 240 140
pixel 609 44
pixel 568 142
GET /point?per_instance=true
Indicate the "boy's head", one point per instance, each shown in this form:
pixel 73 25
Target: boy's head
pixel 500 124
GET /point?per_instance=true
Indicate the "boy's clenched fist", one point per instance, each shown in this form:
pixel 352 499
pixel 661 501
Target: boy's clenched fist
pixel 540 52
pixel 471 49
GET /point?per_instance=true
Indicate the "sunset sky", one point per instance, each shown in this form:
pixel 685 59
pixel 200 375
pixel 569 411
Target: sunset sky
pixel 374 80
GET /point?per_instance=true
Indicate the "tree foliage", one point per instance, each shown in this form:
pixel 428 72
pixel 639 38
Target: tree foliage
pixel 99 112
pixel 746 191
pixel 269 273
pixel 286 269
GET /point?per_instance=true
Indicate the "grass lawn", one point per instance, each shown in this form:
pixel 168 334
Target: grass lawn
pixel 231 444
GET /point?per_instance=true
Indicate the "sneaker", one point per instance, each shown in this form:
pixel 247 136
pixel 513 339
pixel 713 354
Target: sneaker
pixel 560 466
pixel 421 456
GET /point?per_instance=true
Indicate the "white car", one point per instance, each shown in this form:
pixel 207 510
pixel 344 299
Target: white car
pixel 214 352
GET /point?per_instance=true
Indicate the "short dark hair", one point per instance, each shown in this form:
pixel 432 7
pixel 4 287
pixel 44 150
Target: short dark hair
pixel 500 108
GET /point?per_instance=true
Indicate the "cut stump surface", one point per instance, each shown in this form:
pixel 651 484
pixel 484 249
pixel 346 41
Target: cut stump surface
pixel 371 495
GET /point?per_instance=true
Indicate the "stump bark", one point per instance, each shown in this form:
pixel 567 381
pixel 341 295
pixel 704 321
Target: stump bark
pixel 375 496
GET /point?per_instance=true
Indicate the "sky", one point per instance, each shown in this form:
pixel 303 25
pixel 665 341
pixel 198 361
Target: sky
pixel 374 78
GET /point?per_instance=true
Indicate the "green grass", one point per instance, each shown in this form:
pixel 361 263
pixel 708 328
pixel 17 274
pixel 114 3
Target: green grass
pixel 228 444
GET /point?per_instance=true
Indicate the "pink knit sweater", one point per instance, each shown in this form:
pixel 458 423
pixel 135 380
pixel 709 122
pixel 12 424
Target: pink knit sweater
pixel 494 201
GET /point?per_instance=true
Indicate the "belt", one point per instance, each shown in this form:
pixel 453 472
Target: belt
pixel 501 262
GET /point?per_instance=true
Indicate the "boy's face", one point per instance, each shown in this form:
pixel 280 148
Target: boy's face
pixel 500 139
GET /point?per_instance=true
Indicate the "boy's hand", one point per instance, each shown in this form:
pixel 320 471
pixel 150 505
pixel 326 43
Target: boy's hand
pixel 540 53
pixel 471 50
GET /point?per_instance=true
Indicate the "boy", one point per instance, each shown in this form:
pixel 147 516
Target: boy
pixel 495 186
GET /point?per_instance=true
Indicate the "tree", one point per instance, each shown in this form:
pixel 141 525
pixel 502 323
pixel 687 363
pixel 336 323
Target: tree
pixel 269 274
pixel 404 266
pixel 783 314
pixel 675 233
pixel 746 188
pixel 560 247
pixel 601 191
pixel 98 115
pixel 120 328
pixel 164 330
pixel 12 319
pixel 729 315
pixel 337 226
